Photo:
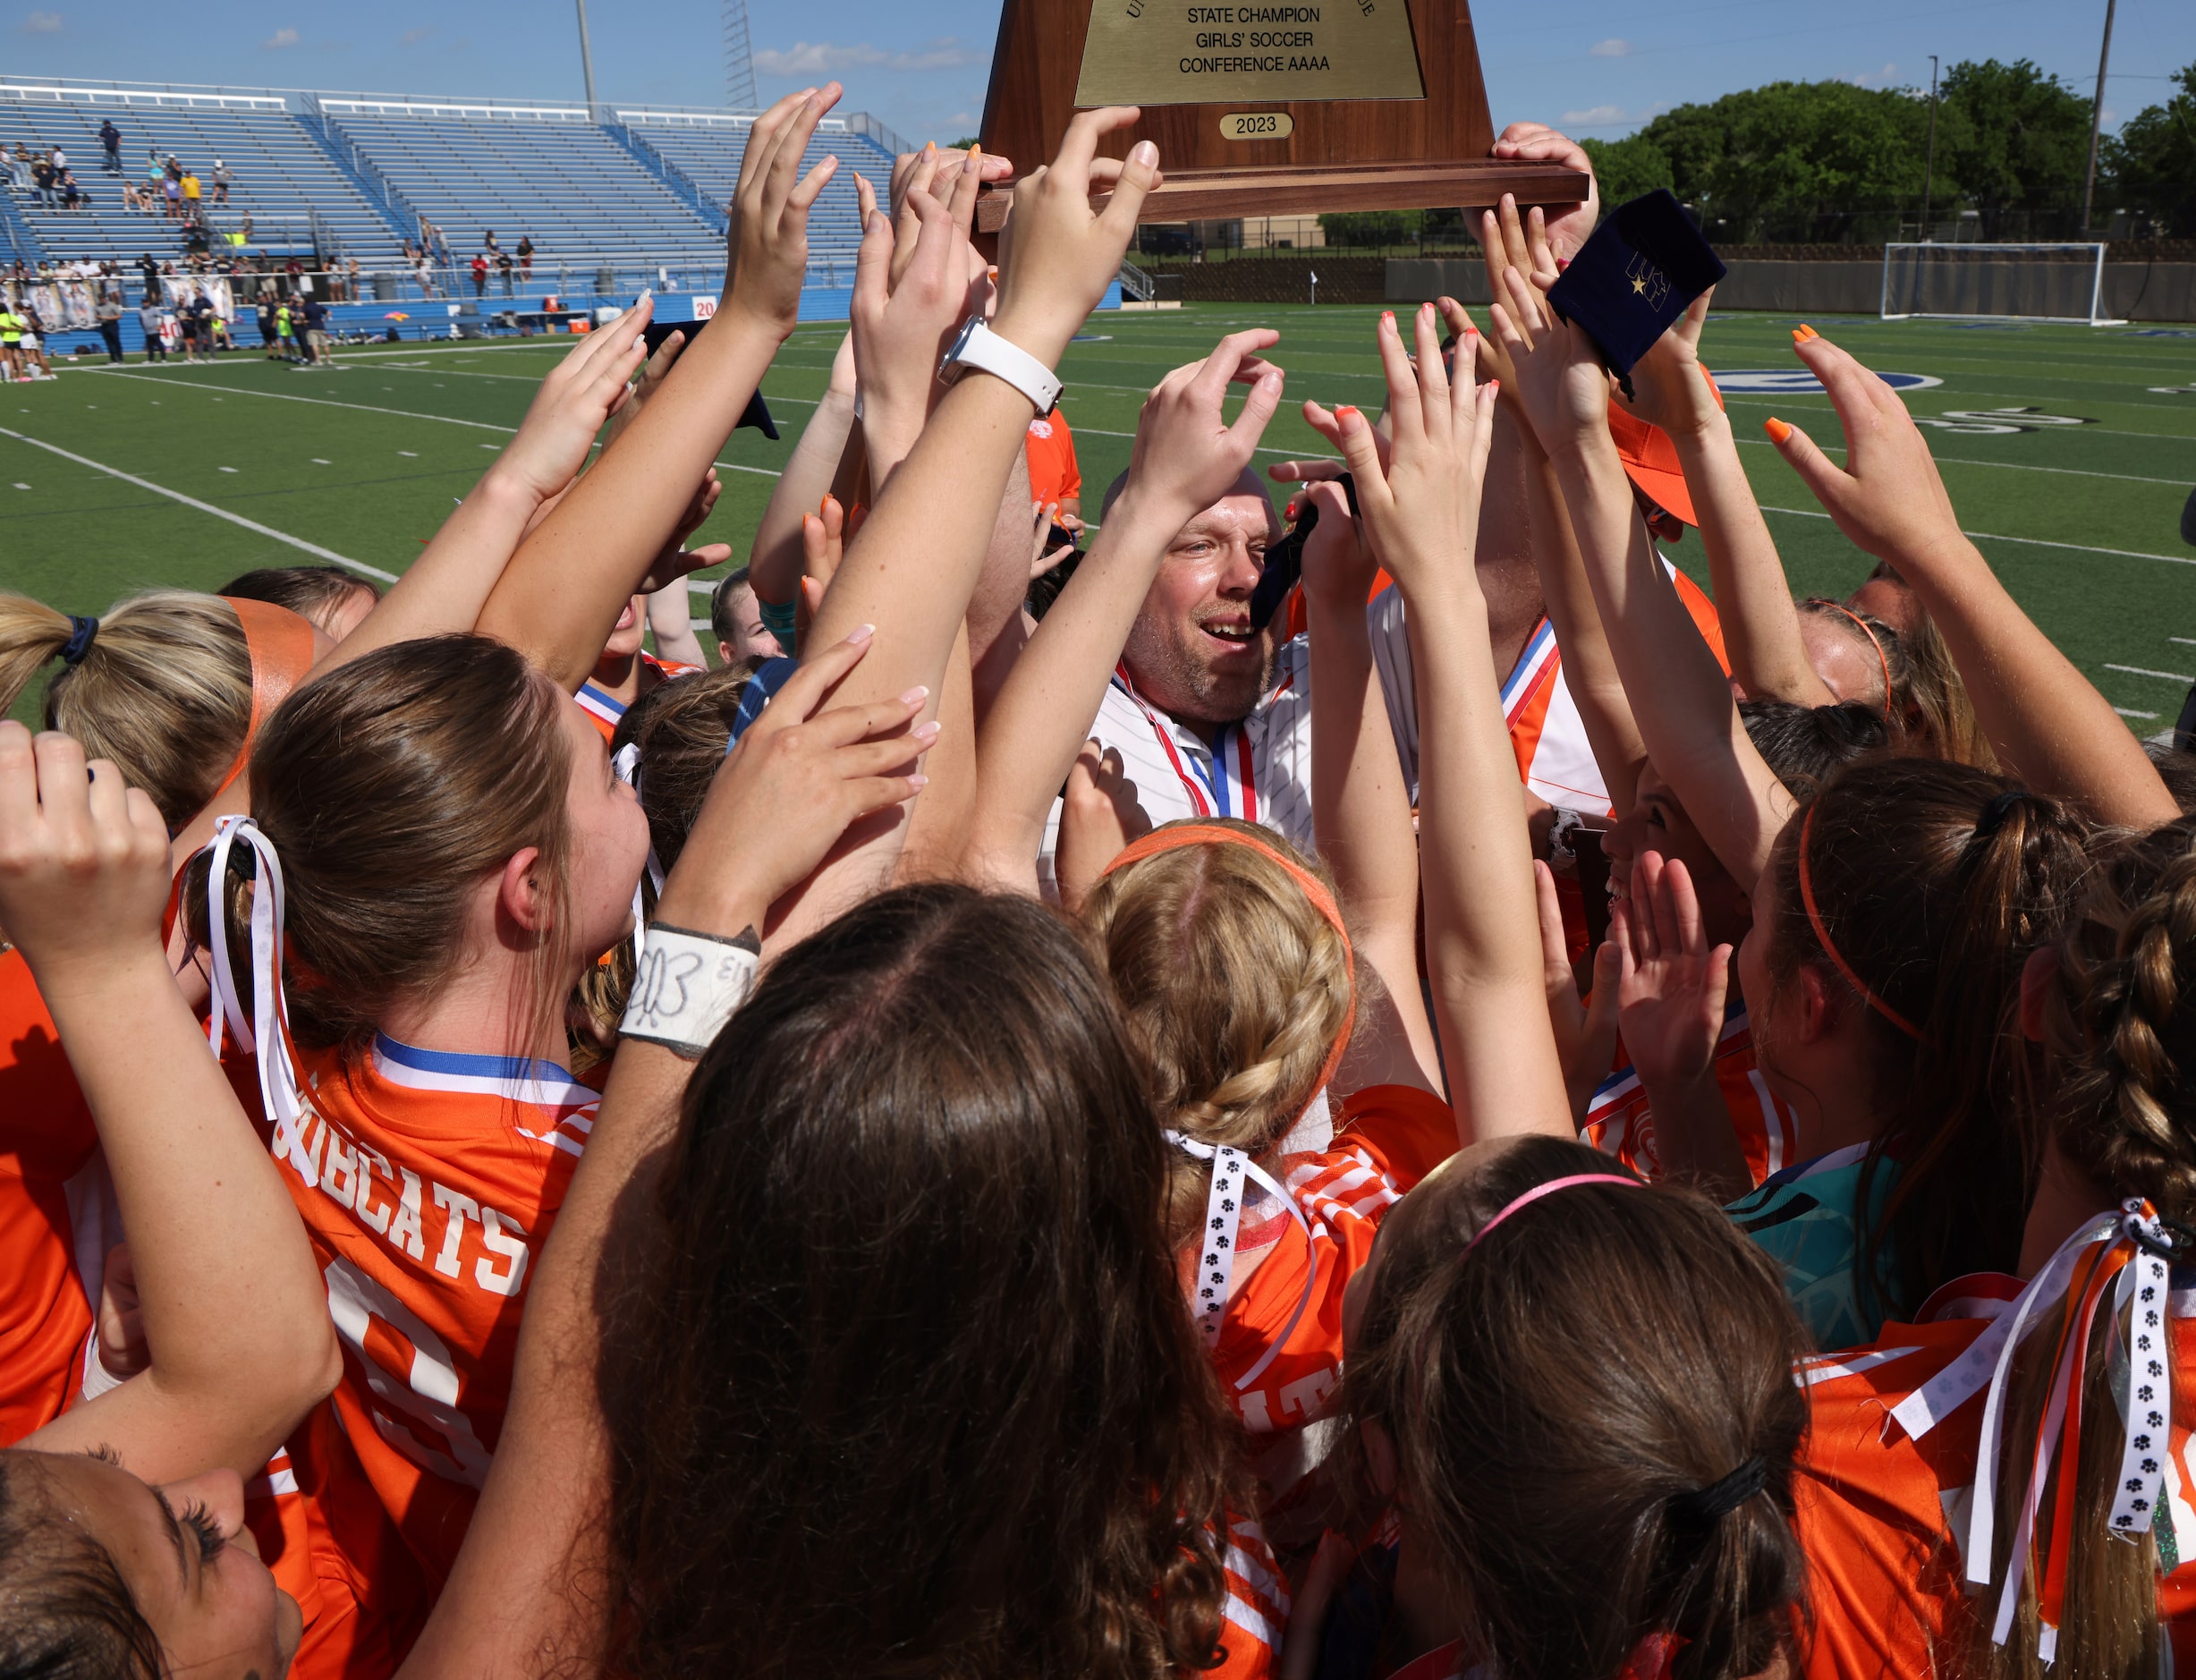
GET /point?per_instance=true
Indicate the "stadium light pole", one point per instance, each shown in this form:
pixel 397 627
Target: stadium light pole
pixel 2097 120
pixel 587 61
pixel 1928 169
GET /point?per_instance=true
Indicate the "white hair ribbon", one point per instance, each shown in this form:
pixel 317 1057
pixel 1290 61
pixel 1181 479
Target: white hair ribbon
pixel 1217 1252
pixel 625 762
pixel 267 1033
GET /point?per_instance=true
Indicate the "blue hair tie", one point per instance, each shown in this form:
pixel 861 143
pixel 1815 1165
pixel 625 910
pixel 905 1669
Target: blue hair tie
pixel 81 632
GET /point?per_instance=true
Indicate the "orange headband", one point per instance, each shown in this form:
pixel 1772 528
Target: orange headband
pixel 281 647
pixel 1822 937
pixel 1175 835
pixel 1882 658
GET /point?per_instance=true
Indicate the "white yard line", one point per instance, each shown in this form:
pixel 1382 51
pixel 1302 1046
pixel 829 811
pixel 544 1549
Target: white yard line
pixel 205 507
pixel 2033 542
pixel 399 414
pixel 2163 676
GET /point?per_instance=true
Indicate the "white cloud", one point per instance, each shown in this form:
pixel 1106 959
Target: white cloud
pixel 40 23
pixel 1595 116
pixel 412 37
pixel 821 58
pixel 279 40
pixel 1613 48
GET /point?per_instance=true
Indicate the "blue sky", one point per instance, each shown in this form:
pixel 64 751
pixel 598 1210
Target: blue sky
pixel 1593 66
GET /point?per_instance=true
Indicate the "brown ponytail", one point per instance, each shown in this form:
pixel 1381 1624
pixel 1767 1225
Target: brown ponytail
pixel 1931 882
pixel 1607 1377
pixel 390 788
pixel 163 689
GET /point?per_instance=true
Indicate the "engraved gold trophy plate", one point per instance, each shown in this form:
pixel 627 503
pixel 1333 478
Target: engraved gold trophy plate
pixel 1276 108
pixel 1147 52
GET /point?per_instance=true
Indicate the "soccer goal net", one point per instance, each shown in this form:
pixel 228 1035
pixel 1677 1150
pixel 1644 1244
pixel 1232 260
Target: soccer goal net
pixel 2003 283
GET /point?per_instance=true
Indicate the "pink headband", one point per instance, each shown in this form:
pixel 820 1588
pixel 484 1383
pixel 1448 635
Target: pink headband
pixel 1549 1189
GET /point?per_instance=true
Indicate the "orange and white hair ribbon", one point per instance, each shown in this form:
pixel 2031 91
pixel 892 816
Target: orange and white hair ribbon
pixel 266 1033
pixel 2127 1253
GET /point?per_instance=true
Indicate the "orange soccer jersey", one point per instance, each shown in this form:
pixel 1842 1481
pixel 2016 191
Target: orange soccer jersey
pixel 1390 1136
pixel 1050 450
pixel 604 708
pixel 52 1190
pixel 426 1180
pixel 1619 1120
pixel 1876 1508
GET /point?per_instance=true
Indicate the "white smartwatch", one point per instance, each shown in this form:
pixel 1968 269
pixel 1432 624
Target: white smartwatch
pixel 979 347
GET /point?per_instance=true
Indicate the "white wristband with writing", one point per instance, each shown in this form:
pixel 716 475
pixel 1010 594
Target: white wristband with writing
pixel 686 987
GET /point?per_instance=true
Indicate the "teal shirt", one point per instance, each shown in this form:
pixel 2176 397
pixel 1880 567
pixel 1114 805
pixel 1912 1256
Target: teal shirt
pixel 1805 1218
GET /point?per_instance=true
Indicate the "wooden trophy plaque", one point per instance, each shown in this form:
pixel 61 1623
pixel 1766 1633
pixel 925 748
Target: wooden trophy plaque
pixel 1265 108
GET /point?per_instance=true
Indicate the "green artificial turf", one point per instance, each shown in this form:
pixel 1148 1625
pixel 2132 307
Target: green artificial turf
pixel 2081 520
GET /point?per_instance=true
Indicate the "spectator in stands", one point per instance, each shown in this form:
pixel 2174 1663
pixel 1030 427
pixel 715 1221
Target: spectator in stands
pixel 221 181
pixel 351 281
pixel 148 318
pixel 171 195
pixel 58 158
pixel 110 319
pixel 481 275
pixel 193 192
pixel 526 257
pixel 488 244
pixel 427 275
pixel 72 197
pixel 151 270
pixel 506 268
pixel 110 137
pixel 243 231
pixel 42 181
pixel 20 167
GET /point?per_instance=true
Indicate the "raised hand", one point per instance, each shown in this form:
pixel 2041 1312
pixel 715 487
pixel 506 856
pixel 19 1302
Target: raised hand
pixel 768 237
pixel 1670 388
pixel 1585 1029
pixel 677 559
pixel 1339 563
pixel 1422 511
pixel 83 865
pixel 1056 255
pixel 1186 455
pixel 910 295
pixel 790 789
pixel 584 390
pixel 1888 498
pixel 1100 818
pixel 1563 387
pixel 823 544
pixel 1569 226
pixel 1671 985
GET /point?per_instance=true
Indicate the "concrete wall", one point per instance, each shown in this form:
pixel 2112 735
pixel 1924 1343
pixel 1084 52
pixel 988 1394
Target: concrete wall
pixel 2133 291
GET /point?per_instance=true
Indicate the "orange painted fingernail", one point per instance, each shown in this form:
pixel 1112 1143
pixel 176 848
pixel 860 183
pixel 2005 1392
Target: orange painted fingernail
pixel 1346 413
pixel 929 146
pixel 1389 316
pixel 1802 333
pixel 1777 430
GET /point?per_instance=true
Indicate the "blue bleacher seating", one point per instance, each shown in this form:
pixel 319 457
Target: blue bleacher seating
pixel 280 175
pixel 591 197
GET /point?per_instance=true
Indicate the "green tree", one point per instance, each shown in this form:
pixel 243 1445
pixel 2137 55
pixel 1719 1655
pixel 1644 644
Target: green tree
pixel 2015 139
pixel 1794 159
pixel 1628 168
pixel 1371 227
pixel 2151 164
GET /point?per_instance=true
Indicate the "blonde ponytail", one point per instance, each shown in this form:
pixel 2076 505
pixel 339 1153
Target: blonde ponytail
pixel 163 689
